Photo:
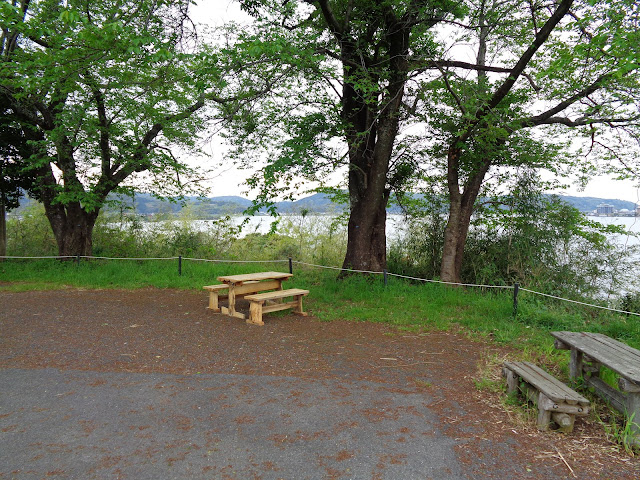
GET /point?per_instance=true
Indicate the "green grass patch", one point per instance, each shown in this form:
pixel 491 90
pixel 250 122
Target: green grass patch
pixel 487 314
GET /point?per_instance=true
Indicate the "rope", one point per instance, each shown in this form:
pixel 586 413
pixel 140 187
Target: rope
pixel 335 268
pixel 38 258
pixel 451 283
pixel 126 258
pixel 508 287
pixel 580 303
pixel 232 261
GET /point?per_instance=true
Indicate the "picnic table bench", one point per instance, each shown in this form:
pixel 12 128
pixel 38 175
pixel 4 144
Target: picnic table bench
pixel 258 307
pixel 589 353
pixel 555 400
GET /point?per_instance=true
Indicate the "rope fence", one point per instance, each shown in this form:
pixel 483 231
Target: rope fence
pixel 516 287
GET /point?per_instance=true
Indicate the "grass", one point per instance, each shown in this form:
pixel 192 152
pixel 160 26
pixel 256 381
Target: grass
pixel 407 305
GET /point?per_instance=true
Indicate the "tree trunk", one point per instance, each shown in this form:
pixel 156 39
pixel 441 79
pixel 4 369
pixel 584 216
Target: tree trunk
pixel 367 241
pixel 369 195
pixel 73 228
pixel 3 229
pixel 455 237
pixel 460 210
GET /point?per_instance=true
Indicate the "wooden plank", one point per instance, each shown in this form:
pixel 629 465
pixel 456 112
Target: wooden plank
pixel 255 314
pixel 615 355
pixel 292 292
pixel 627 386
pixel 591 343
pixel 215 288
pixel 576 409
pixel 254 287
pixel 259 276
pixel 226 311
pixel 610 394
pixel 279 306
pixel 544 382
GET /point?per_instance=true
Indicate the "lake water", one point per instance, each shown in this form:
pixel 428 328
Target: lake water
pixel 631 224
pixel 395 225
pixel 262 223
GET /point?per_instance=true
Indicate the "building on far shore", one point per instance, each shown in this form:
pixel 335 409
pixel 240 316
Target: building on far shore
pixel 605 209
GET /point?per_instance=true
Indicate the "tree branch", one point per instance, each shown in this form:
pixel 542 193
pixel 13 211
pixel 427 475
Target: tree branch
pixel 439 64
pixel 585 92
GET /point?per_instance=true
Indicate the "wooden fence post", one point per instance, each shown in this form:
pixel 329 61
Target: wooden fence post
pixel 516 288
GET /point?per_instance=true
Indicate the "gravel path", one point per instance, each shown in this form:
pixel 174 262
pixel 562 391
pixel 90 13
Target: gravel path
pixel 149 384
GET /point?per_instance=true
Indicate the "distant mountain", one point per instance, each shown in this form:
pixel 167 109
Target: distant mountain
pixel 316 203
pixel 319 203
pixel 589 204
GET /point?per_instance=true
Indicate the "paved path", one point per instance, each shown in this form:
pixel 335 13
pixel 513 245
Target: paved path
pixel 75 424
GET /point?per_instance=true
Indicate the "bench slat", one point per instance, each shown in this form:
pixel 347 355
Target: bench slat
pixel 276 295
pixel 276 307
pixel 621 358
pixel 546 383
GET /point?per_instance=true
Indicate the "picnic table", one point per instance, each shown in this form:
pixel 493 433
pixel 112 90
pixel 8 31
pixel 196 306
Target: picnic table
pixel 247 283
pixel 590 352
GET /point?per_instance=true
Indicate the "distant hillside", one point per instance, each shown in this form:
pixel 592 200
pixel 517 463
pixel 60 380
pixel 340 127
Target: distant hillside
pixel 589 204
pixel 319 203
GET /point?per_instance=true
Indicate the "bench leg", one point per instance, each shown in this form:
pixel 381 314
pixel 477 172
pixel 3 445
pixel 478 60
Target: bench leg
pixel 298 307
pixel 512 381
pixel 544 416
pixel 564 421
pixel 213 301
pixel 255 313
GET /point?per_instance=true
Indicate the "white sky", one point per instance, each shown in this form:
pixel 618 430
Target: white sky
pixel 230 182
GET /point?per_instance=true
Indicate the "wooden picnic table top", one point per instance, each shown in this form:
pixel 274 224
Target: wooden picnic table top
pixel 254 277
pixel 617 356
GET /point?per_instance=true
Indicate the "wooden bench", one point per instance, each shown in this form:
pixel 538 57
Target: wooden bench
pixel 589 353
pixel 215 292
pixel 554 399
pixel 257 306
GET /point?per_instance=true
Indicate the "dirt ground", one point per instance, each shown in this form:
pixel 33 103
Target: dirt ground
pixel 171 332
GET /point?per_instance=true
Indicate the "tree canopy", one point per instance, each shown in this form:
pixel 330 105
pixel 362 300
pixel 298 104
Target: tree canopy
pixel 397 92
pixel 105 91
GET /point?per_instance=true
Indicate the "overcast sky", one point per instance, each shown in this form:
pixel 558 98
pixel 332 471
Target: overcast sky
pixel 217 12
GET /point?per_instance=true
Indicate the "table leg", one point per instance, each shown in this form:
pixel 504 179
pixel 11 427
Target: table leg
pixel 632 404
pixel 575 366
pixel 231 309
pixel 232 299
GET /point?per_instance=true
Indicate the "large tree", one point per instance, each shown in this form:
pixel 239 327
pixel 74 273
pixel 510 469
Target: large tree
pixel 105 91
pixel 570 67
pixel 355 60
pixel 374 69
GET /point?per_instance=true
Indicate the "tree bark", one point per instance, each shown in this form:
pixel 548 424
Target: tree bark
pixel 367 241
pixel 461 206
pixel 3 230
pixel 73 228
